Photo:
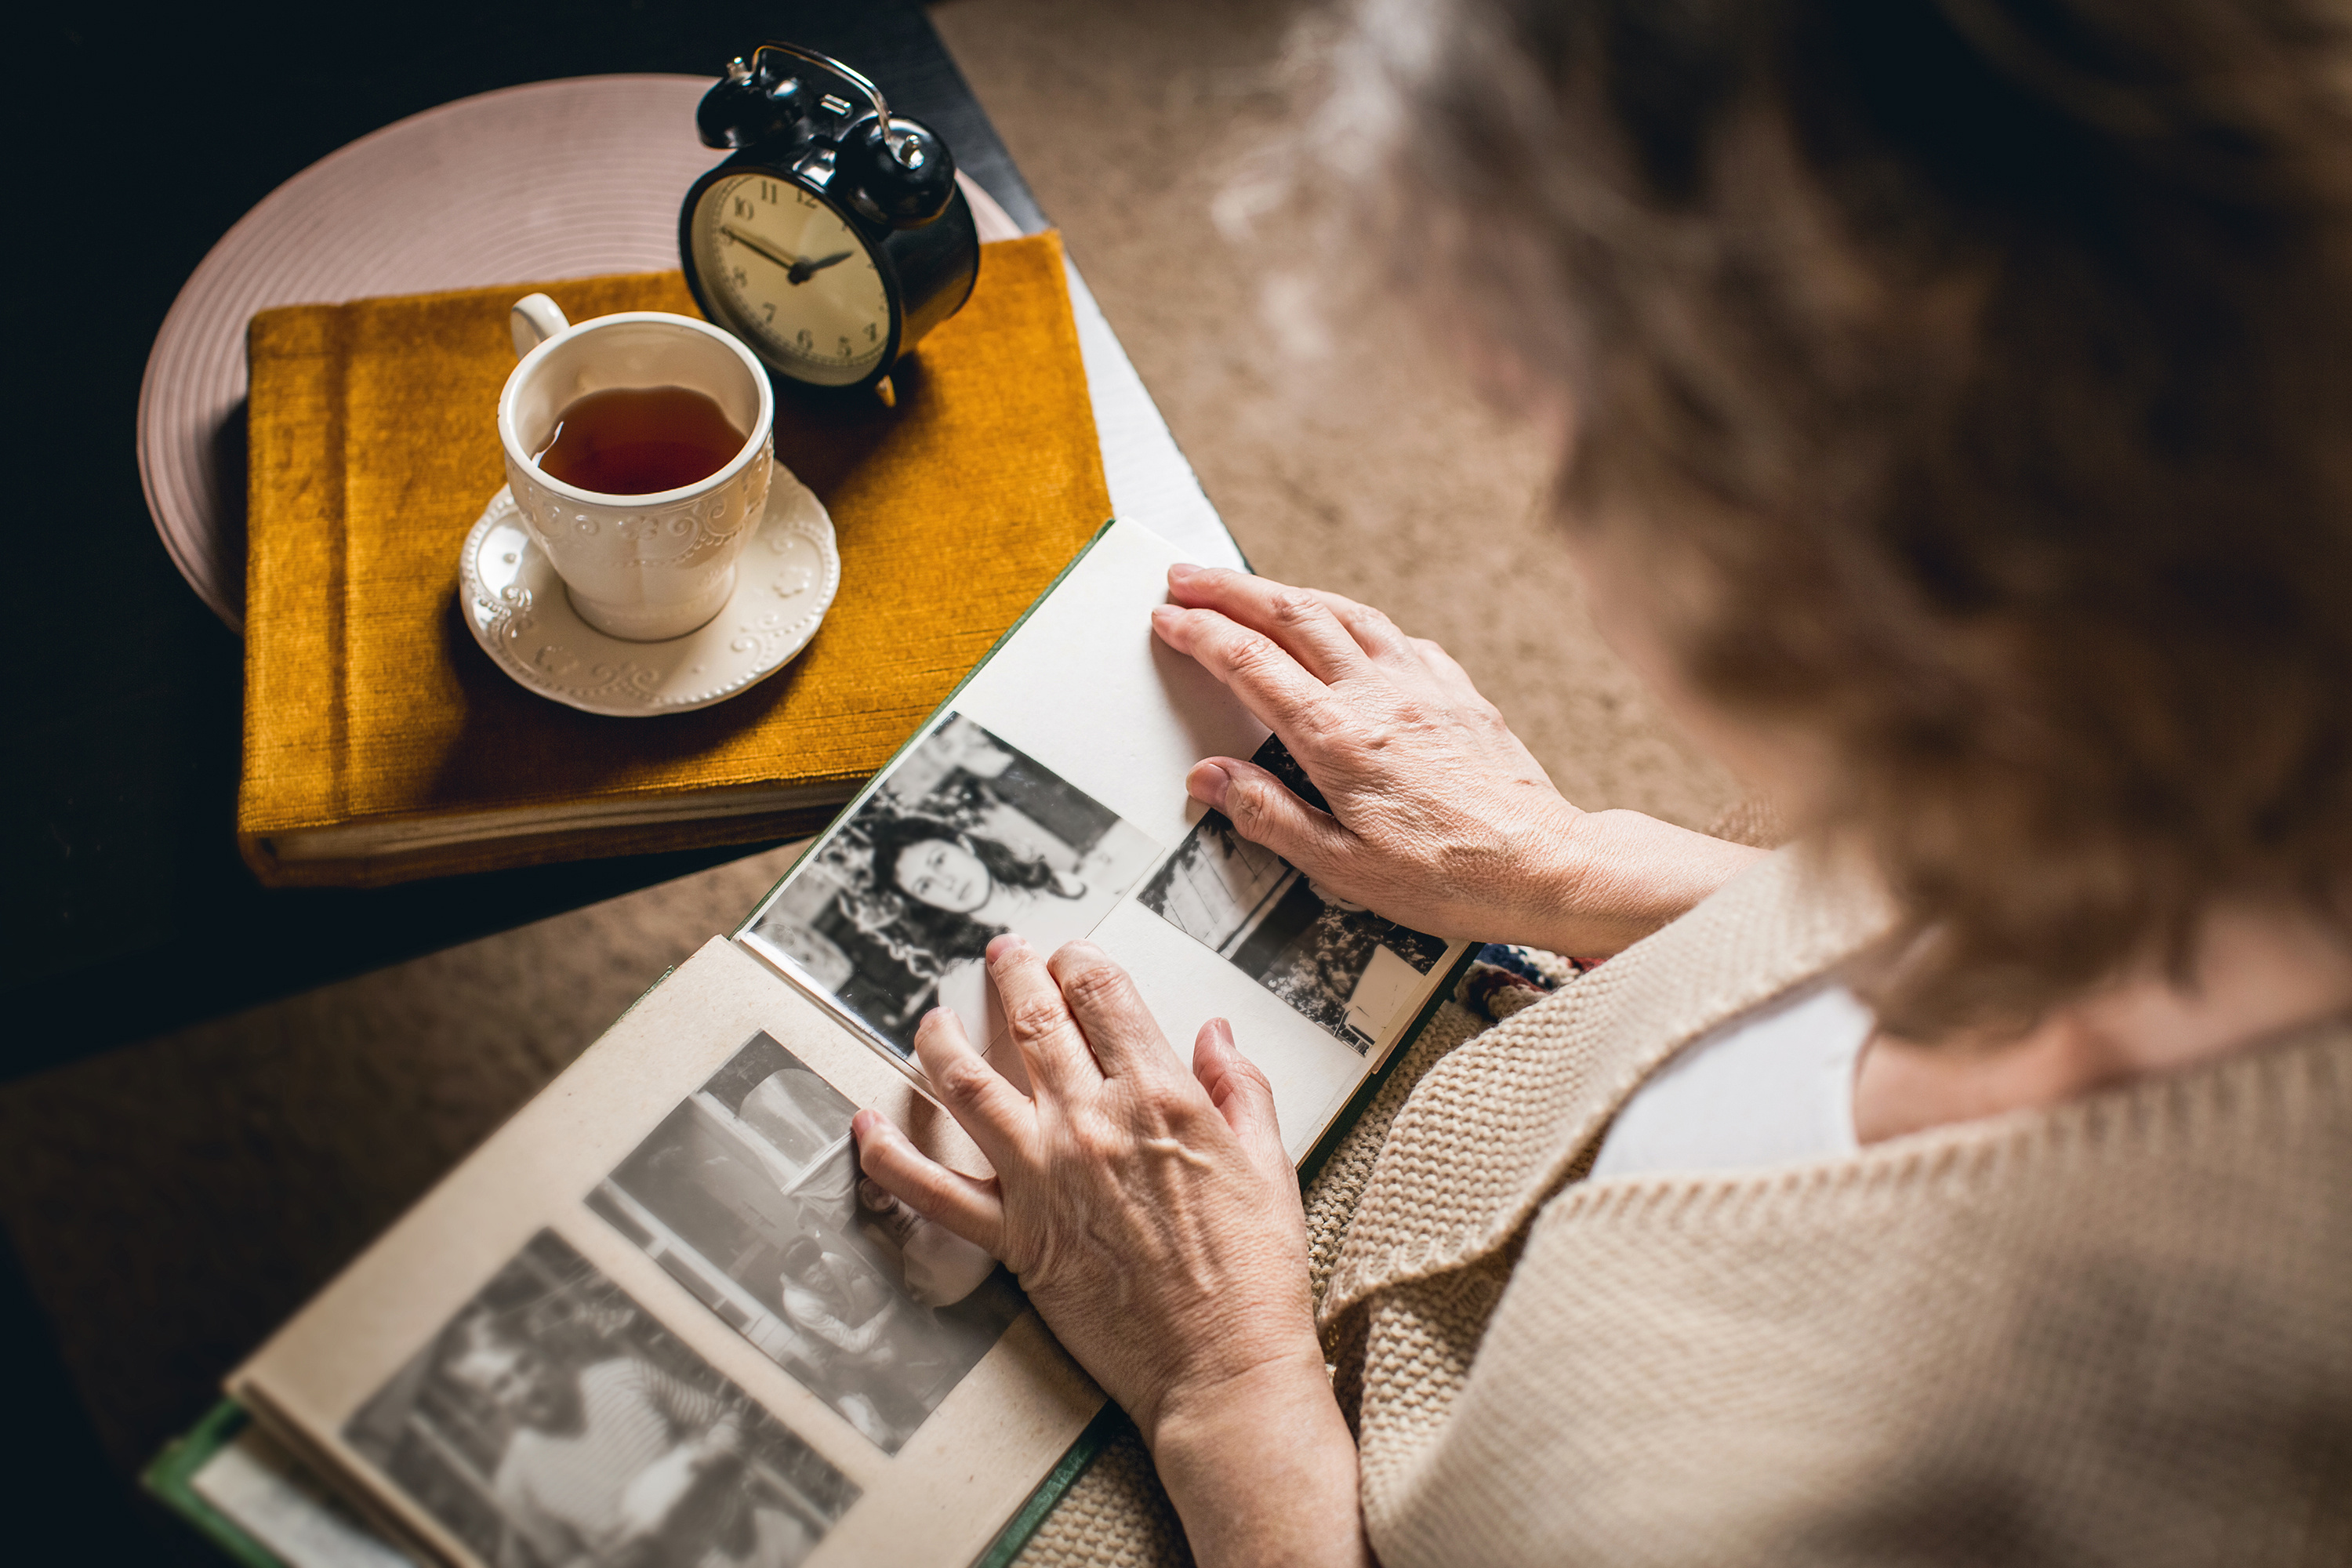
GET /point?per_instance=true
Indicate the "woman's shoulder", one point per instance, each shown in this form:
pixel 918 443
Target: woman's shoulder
pixel 1497 1123
pixel 1572 1056
pixel 2161 1260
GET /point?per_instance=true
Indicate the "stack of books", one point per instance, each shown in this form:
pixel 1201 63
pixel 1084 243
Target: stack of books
pixel 381 744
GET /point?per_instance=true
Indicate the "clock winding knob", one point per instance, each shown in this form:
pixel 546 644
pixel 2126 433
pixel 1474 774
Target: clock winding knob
pixel 749 106
pixel 904 176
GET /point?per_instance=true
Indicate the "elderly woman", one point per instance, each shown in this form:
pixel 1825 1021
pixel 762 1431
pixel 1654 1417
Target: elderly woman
pixel 1955 404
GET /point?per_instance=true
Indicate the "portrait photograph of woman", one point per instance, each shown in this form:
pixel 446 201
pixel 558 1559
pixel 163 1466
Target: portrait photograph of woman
pixel 965 839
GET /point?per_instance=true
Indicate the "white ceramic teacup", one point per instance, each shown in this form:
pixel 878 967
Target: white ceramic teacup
pixel 645 567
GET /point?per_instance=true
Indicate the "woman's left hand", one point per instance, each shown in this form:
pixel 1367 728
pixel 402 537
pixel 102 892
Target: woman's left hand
pixel 1153 1217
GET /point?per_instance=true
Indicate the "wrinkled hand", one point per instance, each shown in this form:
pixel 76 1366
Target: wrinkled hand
pixel 1439 819
pixel 1150 1212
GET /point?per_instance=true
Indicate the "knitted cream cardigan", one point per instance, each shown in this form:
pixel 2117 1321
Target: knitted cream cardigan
pixel 2117 1331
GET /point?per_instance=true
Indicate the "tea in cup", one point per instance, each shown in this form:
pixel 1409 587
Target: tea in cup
pixel 637 450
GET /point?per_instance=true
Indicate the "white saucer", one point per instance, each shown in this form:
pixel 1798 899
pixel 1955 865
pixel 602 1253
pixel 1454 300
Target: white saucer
pixel 524 620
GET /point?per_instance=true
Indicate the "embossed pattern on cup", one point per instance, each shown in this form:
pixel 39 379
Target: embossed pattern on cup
pixel 646 568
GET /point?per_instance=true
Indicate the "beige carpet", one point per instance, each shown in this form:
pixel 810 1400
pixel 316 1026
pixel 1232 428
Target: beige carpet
pixel 173 1200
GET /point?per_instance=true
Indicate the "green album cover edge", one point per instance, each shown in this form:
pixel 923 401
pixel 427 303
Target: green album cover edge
pixel 1073 1464
pixel 169 1477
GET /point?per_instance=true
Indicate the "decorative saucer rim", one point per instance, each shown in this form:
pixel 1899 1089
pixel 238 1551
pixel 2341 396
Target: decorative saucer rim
pixel 625 688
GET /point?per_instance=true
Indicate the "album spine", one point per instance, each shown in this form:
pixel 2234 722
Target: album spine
pixel 946 706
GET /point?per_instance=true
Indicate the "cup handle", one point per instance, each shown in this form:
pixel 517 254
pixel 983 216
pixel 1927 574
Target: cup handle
pixel 534 320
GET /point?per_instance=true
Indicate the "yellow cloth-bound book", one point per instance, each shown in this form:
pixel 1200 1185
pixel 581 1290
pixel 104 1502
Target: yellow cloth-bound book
pixel 381 744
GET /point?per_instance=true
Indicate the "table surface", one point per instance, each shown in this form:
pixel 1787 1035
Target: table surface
pixel 128 910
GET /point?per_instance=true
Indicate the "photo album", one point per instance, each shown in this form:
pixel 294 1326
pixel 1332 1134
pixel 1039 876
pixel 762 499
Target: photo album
pixel 660 1318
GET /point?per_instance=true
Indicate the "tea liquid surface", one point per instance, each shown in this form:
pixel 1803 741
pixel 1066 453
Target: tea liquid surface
pixel 635 440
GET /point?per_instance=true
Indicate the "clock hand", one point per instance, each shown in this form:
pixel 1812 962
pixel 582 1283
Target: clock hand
pixel 784 259
pixel 807 268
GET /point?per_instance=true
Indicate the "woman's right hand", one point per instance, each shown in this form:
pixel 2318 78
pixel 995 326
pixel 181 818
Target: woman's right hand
pixel 1440 818
pixel 1152 1212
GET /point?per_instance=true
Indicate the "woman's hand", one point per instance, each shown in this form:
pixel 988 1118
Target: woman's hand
pixel 1439 819
pixel 1150 1214
pixel 1153 1217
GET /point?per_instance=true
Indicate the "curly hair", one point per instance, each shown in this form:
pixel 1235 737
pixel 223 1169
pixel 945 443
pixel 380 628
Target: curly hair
pixel 893 837
pixel 927 940
pixel 1972 375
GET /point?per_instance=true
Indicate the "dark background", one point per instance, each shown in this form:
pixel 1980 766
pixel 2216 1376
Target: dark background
pixel 138 136
pixel 128 910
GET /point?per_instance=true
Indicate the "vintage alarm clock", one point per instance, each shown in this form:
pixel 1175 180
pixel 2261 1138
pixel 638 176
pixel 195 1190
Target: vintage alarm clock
pixel 835 236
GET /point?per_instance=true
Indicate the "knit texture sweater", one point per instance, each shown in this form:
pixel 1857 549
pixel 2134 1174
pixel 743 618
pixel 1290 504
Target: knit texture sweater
pixel 2114 1331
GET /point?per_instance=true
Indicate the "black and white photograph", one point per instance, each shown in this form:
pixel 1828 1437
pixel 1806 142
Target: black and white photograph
pixel 1335 962
pixel 966 837
pixel 554 1421
pixel 749 1195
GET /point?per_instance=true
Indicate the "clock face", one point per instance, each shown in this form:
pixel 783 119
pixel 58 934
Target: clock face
pixel 792 278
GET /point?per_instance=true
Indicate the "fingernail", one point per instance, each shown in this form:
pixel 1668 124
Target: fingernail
pixel 1207 783
pixel 1181 570
pixel 1165 615
pixel 1000 946
pixel 1223 1031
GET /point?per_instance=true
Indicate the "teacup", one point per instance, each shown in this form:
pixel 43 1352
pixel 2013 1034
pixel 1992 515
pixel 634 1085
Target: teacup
pixel 640 567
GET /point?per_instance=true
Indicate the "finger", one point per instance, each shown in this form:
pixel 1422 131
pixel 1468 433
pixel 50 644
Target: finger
pixel 1264 810
pixel 1374 631
pixel 1110 1010
pixel 1049 1040
pixel 1451 676
pixel 1297 618
pixel 1258 670
pixel 999 1117
pixel 1241 1093
pixel 972 1209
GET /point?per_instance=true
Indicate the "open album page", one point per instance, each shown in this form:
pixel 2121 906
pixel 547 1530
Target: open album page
pixel 660 1319
pixel 1048 799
